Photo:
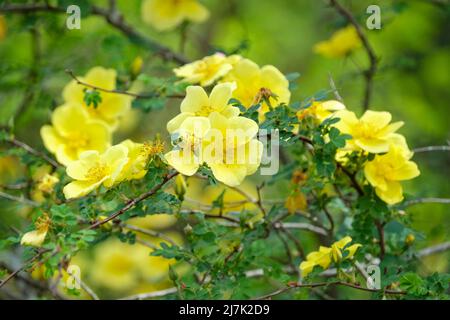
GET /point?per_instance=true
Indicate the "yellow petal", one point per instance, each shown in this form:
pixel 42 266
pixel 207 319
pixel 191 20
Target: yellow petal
pixel 221 94
pixel 343 242
pixel 183 162
pixel 406 172
pixel 229 174
pixel 33 238
pixel 372 175
pixel 194 11
pixel 378 119
pixel 78 169
pixel 373 145
pixel 195 99
pixel 352 250
pixel 393 193
pixel 175 123
pixel 50 138
pixel 76 189
pixel 306 267
pixel 63 118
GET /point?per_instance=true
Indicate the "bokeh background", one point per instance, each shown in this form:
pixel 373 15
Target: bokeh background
pixel 412 82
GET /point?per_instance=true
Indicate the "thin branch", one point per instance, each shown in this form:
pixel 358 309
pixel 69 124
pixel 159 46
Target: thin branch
pixel 434 249
pixel 325 284
pixel 24 266
pixel 154 294
pixel 32 151
pixel 302 226
pixel 148 232
pixel 113 17
pixel 426 200
pixel 130 204
pixel 373 60
pixel 380 229
pixel 85 287
pixel 116 19
pixel 128 93
pixel 431 148
pixel 22 200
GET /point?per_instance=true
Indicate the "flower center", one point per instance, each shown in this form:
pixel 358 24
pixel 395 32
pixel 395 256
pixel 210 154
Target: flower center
pixel 204 111
pixel 97 172
pixel 78 141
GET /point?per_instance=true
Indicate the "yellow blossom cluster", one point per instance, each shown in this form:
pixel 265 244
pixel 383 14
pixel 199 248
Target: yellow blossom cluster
pixel 80 137
pixel 209 130
pixel 77 127
pixel 124 161
pixel 374 133
pixel 339 251
pixel 254 85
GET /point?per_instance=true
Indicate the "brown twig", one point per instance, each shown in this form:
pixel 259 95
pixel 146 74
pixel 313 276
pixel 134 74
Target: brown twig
pixel 373 60
pixel 324 284
pixel 32 151
pixel 135 201
pixel 128 93
pixel 112 16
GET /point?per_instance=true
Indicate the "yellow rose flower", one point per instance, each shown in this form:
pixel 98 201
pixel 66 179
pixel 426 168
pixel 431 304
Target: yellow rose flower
pixel 94 169
pixel 198 104
pixel 255 84
pixel 167 14
pixel 341 43
pixel 207 70
pixel 321 110
pixel 372 132
pixel 226 145
pixel 115 265
pixel 186 157
pixel 112 106
pixel 138 157
pixel 232 152
pixel 386 171
pixel 72 132
pixel 325 256
pixel 36 237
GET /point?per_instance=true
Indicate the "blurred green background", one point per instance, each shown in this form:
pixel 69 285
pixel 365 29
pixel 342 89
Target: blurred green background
pixel 413 80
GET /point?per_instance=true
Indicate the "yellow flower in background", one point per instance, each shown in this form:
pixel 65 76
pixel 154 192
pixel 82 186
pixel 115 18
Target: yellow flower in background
pixel 154 221
pixel 232 152
pixel 340 250
pixel 138 156
pixel 3 27
pixel 167 14
pixel 386 171
pixel 321 110
pixel 72 132
pixel 296 201
pixel 341 43
pixel 198 104
pixel 94 169
pixel 112 105
pixel 255 85
pixel 207 70
pixel 115 265
pixel 36 237
pixel 47 183
pixel 200 195
pixel 372 133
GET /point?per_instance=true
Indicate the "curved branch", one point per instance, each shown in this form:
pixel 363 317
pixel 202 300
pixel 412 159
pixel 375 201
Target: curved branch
pixel 373 60
pixel 130 204
pixel 113 17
